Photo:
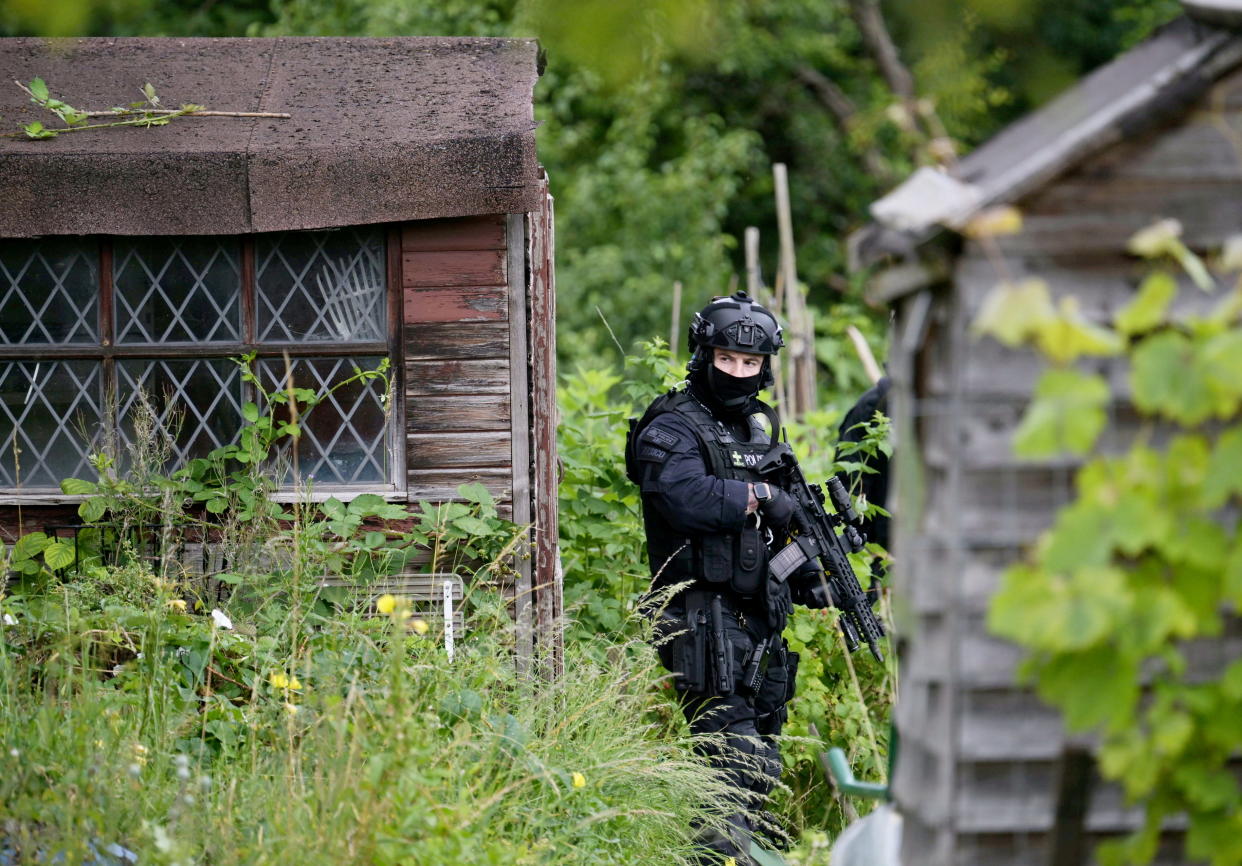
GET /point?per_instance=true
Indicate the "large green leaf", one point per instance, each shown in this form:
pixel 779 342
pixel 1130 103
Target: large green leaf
pixel 1011 312
pixel 1067 414
pixel 1166 382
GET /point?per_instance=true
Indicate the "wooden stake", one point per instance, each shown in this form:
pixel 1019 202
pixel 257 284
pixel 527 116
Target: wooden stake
pixel 753 278
pixel 802 342
pixel 864 354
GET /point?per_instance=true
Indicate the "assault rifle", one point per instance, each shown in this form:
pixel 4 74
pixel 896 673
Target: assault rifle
pixel 815 537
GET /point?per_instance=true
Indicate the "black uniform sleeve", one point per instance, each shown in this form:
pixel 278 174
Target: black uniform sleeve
pixel 678 483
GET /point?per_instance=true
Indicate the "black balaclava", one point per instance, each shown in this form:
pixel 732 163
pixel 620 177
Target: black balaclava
pixel 725 395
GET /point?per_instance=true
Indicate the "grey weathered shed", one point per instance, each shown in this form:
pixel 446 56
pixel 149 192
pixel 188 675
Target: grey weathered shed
pixel 1152 135
pixel 399 213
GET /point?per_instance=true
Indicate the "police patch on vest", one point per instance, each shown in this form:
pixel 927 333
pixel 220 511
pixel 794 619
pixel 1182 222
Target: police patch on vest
pixel 652 453
pixel 662 438
pixel 741 460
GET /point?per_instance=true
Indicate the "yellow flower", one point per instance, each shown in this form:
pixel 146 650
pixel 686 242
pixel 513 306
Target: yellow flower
pixel 730 861
pixel 294 683
pixel 386 603
pixel 177 604
pixel 579 780
pixel 419 626
pixel 279 680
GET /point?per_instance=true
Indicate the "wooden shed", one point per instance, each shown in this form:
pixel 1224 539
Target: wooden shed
pixel 398 212
pixel 1152 135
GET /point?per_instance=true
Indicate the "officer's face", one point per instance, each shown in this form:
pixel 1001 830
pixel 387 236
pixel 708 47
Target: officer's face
pixel 739 364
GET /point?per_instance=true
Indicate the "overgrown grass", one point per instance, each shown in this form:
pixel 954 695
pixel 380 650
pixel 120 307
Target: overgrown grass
pixel 343 738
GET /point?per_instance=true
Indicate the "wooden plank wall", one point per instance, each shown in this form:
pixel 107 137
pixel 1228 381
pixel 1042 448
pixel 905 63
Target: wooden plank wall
pixel 457 367
pixel 976 776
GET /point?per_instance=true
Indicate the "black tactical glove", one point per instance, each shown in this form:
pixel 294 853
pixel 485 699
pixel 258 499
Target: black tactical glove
pixel 778 508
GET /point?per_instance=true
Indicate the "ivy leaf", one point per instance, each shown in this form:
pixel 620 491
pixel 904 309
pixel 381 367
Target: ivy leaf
pixel 1165 381
pixel 250 412
pixel 1068 335
pixel 1067 414
pixel 39 88
pixel 1012 312
pixel 1147 309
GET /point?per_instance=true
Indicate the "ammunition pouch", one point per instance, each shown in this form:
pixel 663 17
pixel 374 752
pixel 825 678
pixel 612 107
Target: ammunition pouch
pixel 736 560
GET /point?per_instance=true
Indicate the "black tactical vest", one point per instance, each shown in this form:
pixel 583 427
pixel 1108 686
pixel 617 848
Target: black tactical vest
pixel 738 561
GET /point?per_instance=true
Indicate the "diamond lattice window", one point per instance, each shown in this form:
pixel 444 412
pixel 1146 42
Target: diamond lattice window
pixel 90 327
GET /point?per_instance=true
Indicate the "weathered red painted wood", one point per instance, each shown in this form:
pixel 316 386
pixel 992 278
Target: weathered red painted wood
pixel 458 340
pixel 461 233
pixel 453 268
pixel 549 592
pixel 461 450
pixel 424 378
pixel 33 519
pixel 457 304
pixel 465 412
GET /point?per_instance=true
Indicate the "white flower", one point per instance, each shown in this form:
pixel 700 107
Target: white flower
pixel 220 618
pixel 9 619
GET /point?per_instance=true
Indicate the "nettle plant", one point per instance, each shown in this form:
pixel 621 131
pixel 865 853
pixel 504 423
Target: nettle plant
pixel 1146 563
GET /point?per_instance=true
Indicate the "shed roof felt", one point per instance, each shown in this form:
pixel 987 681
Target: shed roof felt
pixel 381 130
pixel 1139 89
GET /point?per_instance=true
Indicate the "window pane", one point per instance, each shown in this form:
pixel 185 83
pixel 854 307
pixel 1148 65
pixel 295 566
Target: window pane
pixel 197 403
pixel 344 439
pixel 52 409
pixel 321 286
pixel 177 290
pixel 48 291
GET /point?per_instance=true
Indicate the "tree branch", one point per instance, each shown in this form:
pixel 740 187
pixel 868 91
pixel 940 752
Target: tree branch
pixel 870 21
pixel 841 107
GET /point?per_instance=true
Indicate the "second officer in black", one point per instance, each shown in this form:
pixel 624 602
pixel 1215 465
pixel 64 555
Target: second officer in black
pixel 711 523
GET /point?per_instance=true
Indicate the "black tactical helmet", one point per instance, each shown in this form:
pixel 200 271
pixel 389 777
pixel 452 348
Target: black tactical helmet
pixel 735 323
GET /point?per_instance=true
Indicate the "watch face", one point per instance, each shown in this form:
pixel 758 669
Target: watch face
pixel 762 492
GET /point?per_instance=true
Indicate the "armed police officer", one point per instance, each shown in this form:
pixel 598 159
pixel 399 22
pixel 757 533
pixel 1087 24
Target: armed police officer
pixel 711 525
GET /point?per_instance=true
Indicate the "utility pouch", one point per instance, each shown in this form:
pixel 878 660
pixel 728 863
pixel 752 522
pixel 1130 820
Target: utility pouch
pixel 750 561
pixel 713 556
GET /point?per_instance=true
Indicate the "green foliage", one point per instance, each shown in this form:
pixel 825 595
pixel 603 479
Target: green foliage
pixel 1145 562
pixel 309 739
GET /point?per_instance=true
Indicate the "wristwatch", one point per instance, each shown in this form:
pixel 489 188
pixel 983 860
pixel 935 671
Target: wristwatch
pixel 763 492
